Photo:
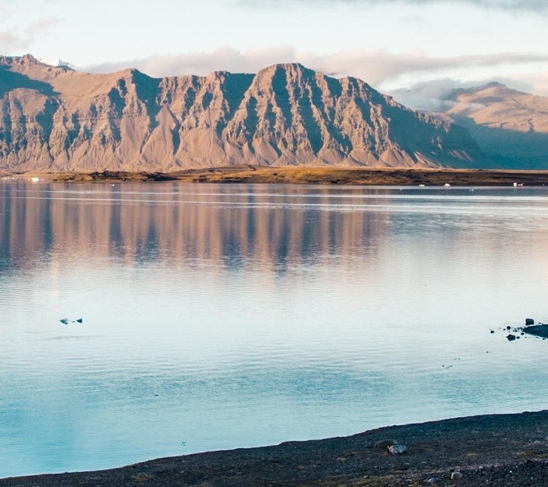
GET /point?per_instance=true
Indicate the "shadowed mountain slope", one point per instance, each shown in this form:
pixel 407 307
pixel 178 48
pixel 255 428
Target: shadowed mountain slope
pixel 510 126
pixel 58 119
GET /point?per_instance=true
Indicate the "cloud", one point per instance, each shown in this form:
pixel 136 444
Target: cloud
pixel 11 42
pixel 436 94
pixel 416 80
pixel 423 82
pixel 21 38
pixel 397 69
pixel 534 6
pixel 203 63
pixel 42 25
pixel 432 95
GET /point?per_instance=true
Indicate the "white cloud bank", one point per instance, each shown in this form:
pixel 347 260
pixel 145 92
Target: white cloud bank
pixel 536 6
pixel 394 45
pixel 416 80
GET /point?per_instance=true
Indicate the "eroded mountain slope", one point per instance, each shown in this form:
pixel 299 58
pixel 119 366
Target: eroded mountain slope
pixel 57 119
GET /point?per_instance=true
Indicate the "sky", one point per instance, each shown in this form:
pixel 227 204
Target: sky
pixel 416 50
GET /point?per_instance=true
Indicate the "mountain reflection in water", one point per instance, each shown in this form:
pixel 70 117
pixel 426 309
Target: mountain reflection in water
pixel 184 222
pixel 223 316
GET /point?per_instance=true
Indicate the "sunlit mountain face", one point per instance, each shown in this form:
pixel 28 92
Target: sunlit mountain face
pixel 58 119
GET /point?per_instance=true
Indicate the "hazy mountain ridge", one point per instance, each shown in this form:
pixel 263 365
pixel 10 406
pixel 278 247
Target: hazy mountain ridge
pixel 510 126
pixel 58 119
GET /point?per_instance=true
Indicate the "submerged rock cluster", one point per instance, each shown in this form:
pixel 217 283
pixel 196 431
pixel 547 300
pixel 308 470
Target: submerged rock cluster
pixel 530 328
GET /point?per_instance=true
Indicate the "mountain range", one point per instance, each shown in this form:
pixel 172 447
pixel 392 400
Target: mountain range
pixel 54 118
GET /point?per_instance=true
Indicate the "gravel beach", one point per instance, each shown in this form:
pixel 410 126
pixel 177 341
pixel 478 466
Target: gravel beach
pixel 498 450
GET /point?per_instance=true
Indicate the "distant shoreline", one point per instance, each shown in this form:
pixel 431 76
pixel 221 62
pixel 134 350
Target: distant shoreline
pixel 309 175
pixel 506 450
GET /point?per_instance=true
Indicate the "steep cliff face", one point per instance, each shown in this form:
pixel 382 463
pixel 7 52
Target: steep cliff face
pixel 57 119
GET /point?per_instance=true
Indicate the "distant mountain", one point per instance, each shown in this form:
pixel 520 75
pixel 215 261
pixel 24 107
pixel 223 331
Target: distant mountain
pixel 510 126
pixel 53 118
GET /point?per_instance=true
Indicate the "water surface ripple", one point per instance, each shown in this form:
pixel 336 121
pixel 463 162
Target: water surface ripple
pixel 224 316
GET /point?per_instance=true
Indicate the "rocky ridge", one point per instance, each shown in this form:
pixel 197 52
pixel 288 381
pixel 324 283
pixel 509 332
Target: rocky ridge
pixel 56 119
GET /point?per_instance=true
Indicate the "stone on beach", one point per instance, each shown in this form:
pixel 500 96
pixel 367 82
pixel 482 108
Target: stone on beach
pixel 397 449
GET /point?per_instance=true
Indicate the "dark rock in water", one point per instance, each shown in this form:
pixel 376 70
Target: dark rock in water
pixel 540 330
pixel 529 321
pixel 510 337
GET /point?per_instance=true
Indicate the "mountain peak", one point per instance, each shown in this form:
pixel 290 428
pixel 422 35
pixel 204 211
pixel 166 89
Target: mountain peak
pixel 286 114
pixel 27 59
pixel 493 88
pixel 28 63
pixel 494 84
pixel 290 69
pixel 510 125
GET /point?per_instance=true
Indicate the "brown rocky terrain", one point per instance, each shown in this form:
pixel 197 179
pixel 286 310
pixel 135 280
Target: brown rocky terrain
pixel 57 119
pixel 509 125
pixel 507 450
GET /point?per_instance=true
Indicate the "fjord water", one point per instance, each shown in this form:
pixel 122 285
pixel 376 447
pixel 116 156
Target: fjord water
pixel 224 316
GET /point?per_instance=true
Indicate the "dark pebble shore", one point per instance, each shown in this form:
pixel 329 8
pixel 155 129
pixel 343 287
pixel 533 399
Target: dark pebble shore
pixel 496 450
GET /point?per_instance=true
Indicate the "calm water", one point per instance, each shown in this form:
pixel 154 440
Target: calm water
pixel 231 316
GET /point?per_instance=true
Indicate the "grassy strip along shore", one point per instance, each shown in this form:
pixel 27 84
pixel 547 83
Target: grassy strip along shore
pixel 313 175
